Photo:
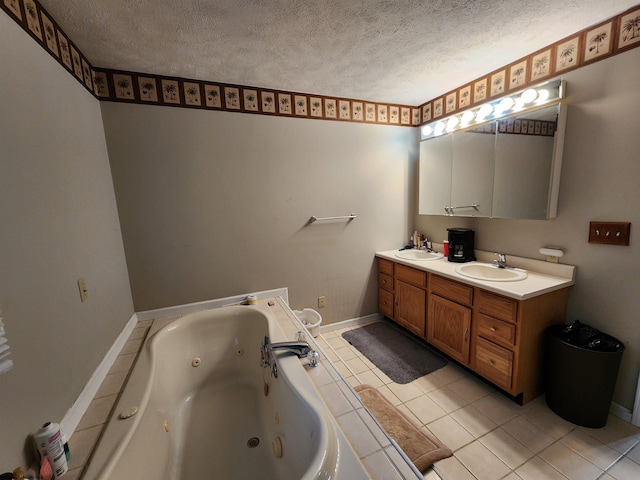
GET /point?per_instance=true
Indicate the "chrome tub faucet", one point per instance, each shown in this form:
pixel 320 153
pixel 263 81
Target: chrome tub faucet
pixel 300 348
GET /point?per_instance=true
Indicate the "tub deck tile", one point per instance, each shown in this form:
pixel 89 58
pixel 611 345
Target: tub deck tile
pixel 367 438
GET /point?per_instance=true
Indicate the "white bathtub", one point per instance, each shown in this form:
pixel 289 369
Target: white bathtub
pixel 203 413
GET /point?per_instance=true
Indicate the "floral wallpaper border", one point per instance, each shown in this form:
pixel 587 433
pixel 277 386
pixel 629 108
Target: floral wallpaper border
pixel 612 36
pixel 120 86
pixel 37 22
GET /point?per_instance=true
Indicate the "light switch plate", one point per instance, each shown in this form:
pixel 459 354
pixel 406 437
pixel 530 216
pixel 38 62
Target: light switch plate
pixel 82 287
pixel 609 233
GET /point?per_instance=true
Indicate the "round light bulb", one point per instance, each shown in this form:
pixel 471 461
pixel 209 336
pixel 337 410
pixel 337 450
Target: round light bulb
pixel 543 96
pixel 529 95
pixel 452 123
pixel 484 112
pixel 506 104
pixel 467 117
pixel 519 104
pixel 439 128
pixel 427 130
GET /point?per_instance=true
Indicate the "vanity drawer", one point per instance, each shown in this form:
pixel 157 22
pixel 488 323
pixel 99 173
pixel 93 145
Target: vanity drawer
pixel 385 281
pixel 409 275
pixel 452 290
pixel 385 266
pixel 494 363
pixel 496 330
pixel 498 307
pixel 385 302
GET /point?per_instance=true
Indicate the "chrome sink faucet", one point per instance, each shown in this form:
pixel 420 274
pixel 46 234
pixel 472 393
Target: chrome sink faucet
pixel 302 349
pixel 501 261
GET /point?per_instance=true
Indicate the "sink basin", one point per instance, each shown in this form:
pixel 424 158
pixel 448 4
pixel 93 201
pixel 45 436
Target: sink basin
pixel 488 272
pixel 418 255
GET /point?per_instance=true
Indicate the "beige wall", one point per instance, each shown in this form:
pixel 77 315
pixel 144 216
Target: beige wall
pixel 215 204
pixel 58 223
pixel 600 181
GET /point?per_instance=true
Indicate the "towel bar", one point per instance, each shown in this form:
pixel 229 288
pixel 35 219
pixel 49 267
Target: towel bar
pixel 314 219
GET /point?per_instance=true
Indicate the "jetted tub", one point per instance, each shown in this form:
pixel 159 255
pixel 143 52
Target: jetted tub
pixel 207 409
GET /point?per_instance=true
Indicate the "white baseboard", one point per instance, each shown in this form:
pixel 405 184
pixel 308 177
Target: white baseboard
pixel 73 416
pixel 179 310
pixel 635 419
pixel 352 322
pixel 621 412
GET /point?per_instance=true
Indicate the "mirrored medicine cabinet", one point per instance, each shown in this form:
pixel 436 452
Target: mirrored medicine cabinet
pixel 507 168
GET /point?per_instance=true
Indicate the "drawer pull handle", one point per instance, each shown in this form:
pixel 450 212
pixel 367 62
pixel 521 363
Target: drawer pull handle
pixel 466 338
pixel 493 329
pixel 492 362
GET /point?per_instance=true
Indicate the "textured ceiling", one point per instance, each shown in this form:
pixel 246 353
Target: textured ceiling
pixel 392 51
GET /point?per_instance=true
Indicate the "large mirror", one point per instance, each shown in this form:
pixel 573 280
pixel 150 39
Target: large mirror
pixel 509 168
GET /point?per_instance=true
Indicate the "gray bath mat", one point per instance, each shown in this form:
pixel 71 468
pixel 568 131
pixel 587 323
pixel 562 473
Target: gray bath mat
pixel 400 357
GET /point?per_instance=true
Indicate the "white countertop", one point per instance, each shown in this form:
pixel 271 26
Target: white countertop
pixel 542 277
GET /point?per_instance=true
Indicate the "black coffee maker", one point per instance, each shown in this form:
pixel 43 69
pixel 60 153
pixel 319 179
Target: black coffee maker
pixel 461 244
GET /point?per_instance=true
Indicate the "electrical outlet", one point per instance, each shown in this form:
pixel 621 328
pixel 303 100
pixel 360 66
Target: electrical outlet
pixel 82 287
pixel 321 301
pixel 609 233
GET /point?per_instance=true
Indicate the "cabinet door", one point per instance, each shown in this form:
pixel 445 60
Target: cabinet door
pixel 494 363
pixel 385 302
pixel 436 156
pixel 449 327
pixel 410 308
pixel 472 173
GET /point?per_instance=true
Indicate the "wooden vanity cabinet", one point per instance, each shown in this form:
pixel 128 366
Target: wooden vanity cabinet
pixel 402 296
pixel 385 287
pixel 499 338
pixel 507 346
pixel 449 325
pixel 410 298
pixel 495 338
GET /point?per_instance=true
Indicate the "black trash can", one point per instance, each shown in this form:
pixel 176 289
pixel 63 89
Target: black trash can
pixel 581 368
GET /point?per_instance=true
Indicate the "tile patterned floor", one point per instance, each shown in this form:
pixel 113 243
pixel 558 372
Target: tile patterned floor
pixel 492 437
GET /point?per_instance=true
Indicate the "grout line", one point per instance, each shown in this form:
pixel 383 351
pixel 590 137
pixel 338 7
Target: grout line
pixel 341 359
pixel 512 470
pixel 621 456
pixel 113 407
pixel 537 455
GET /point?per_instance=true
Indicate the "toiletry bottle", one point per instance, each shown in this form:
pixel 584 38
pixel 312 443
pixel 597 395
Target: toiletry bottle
pixel 18 474
pixel 49 443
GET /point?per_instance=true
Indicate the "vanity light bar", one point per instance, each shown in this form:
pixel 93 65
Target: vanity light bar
pixel 522 101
